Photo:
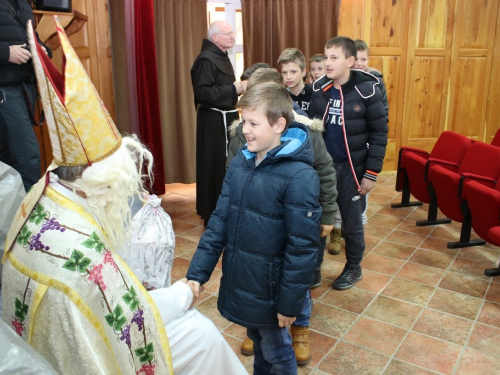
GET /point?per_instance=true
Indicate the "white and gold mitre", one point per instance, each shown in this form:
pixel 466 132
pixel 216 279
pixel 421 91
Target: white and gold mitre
pixel 81 129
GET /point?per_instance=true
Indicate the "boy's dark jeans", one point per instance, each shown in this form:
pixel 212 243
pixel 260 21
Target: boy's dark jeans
pixel 351 207
pixel 273 351
pixel 321 252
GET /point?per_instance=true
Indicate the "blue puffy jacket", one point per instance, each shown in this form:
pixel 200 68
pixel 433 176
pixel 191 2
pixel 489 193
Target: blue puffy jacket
pixel 268 221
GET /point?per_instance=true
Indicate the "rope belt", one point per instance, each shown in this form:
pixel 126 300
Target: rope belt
pixel 225 122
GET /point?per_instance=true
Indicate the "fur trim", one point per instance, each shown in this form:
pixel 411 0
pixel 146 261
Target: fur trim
pixel 233 126
pixel 313 125
pixel 374 71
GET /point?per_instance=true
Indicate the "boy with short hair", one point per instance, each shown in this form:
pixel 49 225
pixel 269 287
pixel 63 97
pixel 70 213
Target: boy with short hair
pixel 323 166
pixel 317 67
pixel 350 104
pixel 245 76
pixel 292 64
pixel 267 221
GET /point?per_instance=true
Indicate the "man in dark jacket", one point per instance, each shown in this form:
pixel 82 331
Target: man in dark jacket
pixel 267 221
pixel 215 97
pixel 18 144
pixel 350 105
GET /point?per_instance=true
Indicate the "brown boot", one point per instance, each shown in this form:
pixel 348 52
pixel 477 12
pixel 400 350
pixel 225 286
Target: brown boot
pixel 300 344
pixel 335 241
pixel 247 347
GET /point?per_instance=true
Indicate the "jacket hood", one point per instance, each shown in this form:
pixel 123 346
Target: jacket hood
pixel 315 125
pixel 377 73
pixel 295 145
pixel 213 53
pixel 233 128
pixel 356 78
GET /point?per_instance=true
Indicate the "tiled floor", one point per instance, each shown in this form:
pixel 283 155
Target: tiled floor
pixel 421 308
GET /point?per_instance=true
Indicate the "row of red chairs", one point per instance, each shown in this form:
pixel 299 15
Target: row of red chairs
pixel 460 177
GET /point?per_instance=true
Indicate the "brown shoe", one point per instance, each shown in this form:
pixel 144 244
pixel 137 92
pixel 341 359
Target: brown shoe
pixel 335 241
pixel 247 347
pixel 300 344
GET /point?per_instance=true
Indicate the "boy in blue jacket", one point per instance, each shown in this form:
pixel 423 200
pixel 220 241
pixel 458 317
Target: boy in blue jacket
pixel 267 221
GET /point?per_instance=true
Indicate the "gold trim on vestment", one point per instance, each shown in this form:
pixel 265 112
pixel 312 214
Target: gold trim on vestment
pixel 37 298
pixel 68 292
pixel 159 321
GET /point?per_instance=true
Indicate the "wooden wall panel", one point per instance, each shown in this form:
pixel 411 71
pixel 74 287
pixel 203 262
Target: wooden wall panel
pixel 470 77
pixel 441 65
pixel 433 25
pixel 390 67
pixel 388 18
pixel 493 103
pixel 351 19
pixel 425 89
pixel 468 101
pixel 476 18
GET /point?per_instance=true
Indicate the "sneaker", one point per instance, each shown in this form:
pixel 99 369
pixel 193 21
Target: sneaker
pixel 349 276
pixel 317 279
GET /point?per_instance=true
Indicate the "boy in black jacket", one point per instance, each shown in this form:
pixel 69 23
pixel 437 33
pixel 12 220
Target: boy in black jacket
pixel 350 104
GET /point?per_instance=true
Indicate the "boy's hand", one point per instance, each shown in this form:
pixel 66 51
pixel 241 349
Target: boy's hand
pixel 238 86
pixel 196 288
pixel 366 186
pixel 325 230
pixel 285 321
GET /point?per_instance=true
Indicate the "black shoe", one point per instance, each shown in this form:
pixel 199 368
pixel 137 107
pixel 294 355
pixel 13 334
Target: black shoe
pixel 317 279
pixel 349 276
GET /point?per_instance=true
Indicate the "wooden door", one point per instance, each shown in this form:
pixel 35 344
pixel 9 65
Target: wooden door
pixel 441 66
pixel 471 71
pixel 426 84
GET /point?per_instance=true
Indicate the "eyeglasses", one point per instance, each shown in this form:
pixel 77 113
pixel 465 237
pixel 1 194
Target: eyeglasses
pixel 227 34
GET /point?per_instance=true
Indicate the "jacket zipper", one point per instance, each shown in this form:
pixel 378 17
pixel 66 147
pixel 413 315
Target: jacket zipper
pixel 343 131
pixel 345 138
pixel 243 202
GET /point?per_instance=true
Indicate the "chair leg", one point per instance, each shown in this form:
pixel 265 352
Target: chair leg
pixel 465 233
pixel 432 211
pixel 492 272
pixel 405 198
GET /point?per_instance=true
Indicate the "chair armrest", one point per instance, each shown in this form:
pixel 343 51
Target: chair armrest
pixel 444 163
pixel 416 150
pixel 483 180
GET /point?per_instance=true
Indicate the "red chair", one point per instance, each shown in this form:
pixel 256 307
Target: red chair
pixel 484 206
pixel 413 165
pixel 496 139
pixel 481 164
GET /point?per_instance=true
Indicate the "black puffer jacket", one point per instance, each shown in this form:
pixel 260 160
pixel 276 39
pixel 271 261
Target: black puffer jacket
pixel 13 33
pixel 383 91
pixel 267 221
pixel 364 120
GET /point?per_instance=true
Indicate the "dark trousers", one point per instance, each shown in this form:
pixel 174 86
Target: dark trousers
pixel 273 352
pixel 18 144
pixel 321 253
pixel 351 206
